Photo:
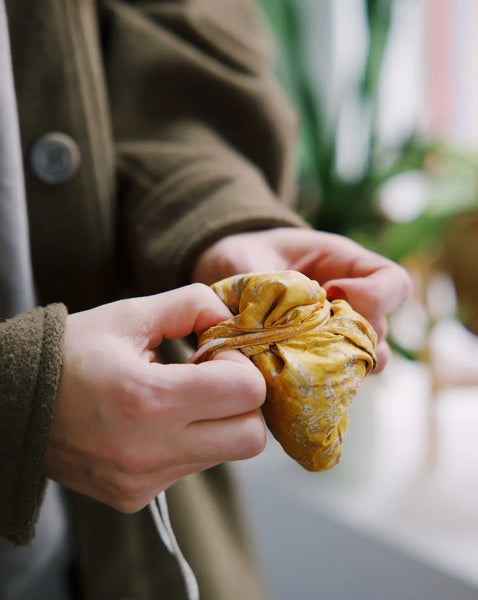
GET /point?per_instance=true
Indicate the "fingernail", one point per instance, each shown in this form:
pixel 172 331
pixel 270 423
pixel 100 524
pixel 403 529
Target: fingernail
pixel 336 293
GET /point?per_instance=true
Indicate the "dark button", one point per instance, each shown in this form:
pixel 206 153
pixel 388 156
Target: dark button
pixel 55 157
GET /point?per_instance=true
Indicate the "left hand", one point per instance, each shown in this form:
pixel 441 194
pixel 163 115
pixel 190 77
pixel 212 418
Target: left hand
pixel 126 427
pixel 373 285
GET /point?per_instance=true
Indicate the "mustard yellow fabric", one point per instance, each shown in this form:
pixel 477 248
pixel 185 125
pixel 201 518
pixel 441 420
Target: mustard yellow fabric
pixel 312 353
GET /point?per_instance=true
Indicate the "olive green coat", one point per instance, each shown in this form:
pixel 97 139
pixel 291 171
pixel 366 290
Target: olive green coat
pixel 183 138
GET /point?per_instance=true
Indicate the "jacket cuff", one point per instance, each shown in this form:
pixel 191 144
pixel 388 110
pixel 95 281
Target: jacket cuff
pixel 30 363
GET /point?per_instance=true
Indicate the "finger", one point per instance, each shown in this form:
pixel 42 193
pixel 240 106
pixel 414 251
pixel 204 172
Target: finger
pixel 383 354
pixel 381 292
pixel 212 390
pixel 336 261
pixel 331 256
pixel 235 438
pixel 371 283
pixel 174 314
pixel 234 356
pixel 380 326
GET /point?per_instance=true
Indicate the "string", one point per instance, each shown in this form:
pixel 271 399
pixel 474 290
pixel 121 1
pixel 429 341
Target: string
pixel 160 513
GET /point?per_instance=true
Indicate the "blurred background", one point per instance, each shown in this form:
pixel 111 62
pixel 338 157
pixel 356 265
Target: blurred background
pixel 387 91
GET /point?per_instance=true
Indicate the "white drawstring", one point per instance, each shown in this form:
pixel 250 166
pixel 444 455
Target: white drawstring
pixel 159 510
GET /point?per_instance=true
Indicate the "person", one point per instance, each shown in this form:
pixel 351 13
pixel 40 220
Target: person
pixel 158 152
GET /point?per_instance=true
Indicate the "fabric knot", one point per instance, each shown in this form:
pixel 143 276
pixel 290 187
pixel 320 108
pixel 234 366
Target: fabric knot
pixel 312 353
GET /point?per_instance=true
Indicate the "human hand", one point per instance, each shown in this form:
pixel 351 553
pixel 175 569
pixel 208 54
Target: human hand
pixel 372 284
pixel 126 427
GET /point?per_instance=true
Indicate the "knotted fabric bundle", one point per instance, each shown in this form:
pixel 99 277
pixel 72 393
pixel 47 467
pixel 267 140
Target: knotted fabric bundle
pixel 312 353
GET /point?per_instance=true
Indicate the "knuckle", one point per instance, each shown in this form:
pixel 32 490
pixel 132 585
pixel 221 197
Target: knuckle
pixel 374 303
pixel 136 399
pixel 126 311
pixel 252 386
pixel 255 438
pixel 402 280
pixel 203 298
pixel 202 292
pixel 383 356
pixel 380 324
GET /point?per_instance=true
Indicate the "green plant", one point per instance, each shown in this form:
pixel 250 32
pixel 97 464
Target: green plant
pixel 351 207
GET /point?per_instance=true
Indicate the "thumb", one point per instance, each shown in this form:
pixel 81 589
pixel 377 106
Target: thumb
pixel 177 313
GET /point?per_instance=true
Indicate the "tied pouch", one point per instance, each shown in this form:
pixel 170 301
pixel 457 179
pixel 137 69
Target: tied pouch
pixel 312 353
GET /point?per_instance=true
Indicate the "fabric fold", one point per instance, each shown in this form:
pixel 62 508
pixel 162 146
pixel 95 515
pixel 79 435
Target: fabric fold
pixel 312 353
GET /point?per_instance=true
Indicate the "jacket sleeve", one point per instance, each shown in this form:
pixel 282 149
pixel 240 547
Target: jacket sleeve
pixel 205 138
pixel 30 363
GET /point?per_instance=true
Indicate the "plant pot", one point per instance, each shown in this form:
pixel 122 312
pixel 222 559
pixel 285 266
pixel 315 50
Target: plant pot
pixel 460 260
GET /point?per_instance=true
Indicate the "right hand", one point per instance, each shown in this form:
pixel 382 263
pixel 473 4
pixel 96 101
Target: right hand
pixel 372 284
pixel 125 427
